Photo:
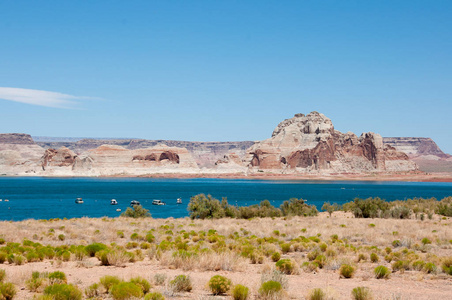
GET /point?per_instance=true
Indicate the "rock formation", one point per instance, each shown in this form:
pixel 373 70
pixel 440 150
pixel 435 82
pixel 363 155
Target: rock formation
pixel 19 154
pixel 306 144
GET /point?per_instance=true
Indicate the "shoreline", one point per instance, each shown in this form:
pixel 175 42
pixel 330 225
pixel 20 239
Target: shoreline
pixel 413 177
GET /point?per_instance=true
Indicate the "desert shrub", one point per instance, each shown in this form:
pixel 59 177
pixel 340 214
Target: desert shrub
pixel 19 259
pixel 396 243
pixel 400 212
pixel 154 296
pixel 150 238
pixel 310 266
pixel 447 266
pixel 430 268
pixel 323 247
pixel 63 292
pixel 361 257
pixel 320 260
pixel 330 208
pixel 136 212
pixel 92 291
pixel 159 279
pixel 270 289
pixel 313 254
pixel 219 284
pixel 374 257
pixel 381 272
pixel 119 258
pixel 347 271
pixel 2 275
pixel 285 248
pixel 240 292
pixel 3 256
pixel 400 265
pixel 181 283
pixel 205 207
pixel 35 282
pixel 418 265
pixel 426 241
pixel 57 277
pixel 361 293
pixel 286 266
pixel 297 207
pixel 32 256
pixel 61 237
pixel 108 281
pixel 126 290
pixel 65 256
pixel 368 208
pixel 142 283
pixel 276 256
pixel 93 248
pixel 275 275
pixel 7 291
pixel 317 294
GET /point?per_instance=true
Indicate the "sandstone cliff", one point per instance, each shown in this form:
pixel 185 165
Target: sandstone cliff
pixel 310 144
pixel 19 154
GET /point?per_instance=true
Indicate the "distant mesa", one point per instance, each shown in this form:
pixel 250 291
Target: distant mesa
pixel 304 144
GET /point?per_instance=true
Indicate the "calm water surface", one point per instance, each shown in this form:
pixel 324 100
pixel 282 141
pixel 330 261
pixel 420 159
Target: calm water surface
pixel 45 198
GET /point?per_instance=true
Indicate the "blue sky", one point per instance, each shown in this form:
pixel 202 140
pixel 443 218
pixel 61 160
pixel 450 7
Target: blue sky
pixel 225 70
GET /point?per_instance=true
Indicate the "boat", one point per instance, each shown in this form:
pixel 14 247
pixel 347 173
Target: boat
pixel 179 200
pixel 113 202
pixel 6 200
pixel 158 202
pixel 134 202
pixel 118 209
pixel 79 200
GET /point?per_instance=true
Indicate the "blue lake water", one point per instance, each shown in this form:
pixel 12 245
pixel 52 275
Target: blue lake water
pixel 45 198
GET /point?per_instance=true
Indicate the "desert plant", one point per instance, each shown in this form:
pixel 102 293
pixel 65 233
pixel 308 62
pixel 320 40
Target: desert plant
pixel 93 248
pixel 63 291
pixel 374 257
pixel 381 272
pixel 181 283
pixel 219 284
pixel 317 294
pixel 92 291
pixel 142 283
pixel 286 266
pixel 276 256
pixel 126 290
pixel 137 212
pixel 347 271
pixel 7 291
pixel 270 289
pixel 2 275
pixel 108 281
pixel 57 277
pixel 430 268
pixel 154 296
pixel 361 293
pixel 3 256
pixel 240 292
pixel 159 279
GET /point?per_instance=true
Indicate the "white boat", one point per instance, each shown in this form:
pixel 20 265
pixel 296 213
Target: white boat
pixel 179 200
pixel 158 202
pixel 79 200
pixel 113 202
pixel 134 202
pixel 118 209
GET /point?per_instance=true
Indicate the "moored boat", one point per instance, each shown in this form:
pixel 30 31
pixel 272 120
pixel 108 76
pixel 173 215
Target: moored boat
pixel 134 202
pixel 79 200
pixel 179 201
pixel 113 202
pixel 158 202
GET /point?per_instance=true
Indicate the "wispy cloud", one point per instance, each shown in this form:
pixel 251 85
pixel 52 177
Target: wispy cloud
pixel 42 98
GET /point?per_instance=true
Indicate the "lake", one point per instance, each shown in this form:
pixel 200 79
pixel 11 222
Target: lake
pixel 46 198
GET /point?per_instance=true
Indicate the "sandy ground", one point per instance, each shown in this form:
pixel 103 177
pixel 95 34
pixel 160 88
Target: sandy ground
pixel 400 285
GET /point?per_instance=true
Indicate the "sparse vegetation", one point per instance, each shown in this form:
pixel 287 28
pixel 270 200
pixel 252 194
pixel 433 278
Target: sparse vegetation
pixel 219 284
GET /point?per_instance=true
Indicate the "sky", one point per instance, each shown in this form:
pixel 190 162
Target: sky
pixel 224 70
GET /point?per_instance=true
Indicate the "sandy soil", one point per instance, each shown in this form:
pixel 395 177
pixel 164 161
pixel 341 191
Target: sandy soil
pixel 400 285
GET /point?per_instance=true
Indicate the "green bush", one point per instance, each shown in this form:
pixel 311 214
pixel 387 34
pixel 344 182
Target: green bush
pixel 181 283
pixel 92 291
pixel 368 208
pixel 286 266
pixel 142 283
pixel 126 290
pixel 297 207
pixel 57 277
pixel 347 271
pixel 63 292
pixel 426 241
pixel 320 260
pixel 381 272
pixel 150 238
pixel 7 291
pixel 276 256
pixel 205 207
pixel 137 212
pixel 93 248
pixel 285 248
pixel 3 256
pixel 240 292
pixel 2 275
pixel 374 257
pixel 317 294
pixel 430 268
pixel 270 289
pixel 219 284
pixel 108 281
pixel 361 293
pixel 154 296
